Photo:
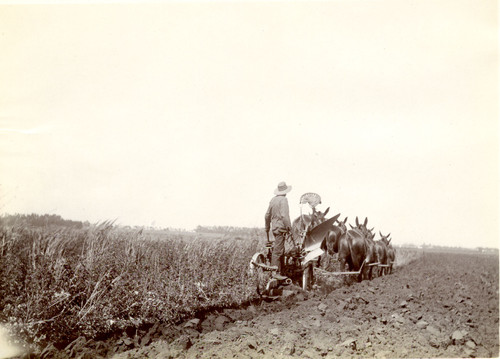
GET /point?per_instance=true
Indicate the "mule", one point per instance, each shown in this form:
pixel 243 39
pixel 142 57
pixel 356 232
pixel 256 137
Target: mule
pixel 381 252
pixel 391 253
pixel 366 234
pixel 351 247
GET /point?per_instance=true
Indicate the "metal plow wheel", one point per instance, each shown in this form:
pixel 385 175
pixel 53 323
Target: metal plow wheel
pixel 261 273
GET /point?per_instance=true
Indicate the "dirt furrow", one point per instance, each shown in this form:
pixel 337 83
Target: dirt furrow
pixel 443 305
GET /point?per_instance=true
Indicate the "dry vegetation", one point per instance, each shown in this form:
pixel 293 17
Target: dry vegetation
pixel 57 284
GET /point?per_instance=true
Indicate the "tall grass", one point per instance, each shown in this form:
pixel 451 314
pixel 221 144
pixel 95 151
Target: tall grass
pixel 58 284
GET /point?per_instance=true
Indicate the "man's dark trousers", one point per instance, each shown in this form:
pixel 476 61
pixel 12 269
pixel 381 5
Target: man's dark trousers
pixel 278 250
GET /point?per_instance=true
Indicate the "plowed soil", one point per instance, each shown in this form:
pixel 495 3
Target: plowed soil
pixel 441 305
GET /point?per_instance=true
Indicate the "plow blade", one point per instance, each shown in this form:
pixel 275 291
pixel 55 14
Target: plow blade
pixel 384 265
pixel 313 254
pixel 374 264
pixel 317 234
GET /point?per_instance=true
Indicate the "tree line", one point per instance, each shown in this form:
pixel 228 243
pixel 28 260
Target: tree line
pixel 227 229
pixel 37 220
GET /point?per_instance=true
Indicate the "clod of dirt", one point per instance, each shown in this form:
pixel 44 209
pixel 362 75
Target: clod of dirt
pixel 468 353
pixel 193 323
pixel 458 337
pixel 470 344
pixel 183 342
pixel 288 349
pixel 220 322
pixel 127 341
pixel 275 331
pixel 433 330
pixel 252 344
pixel 476 338
pixel 349 343
pixel 360 299
pixel 145 340
pixel 434 342
pixel 422 324
pixel 398 318
pixel 191 333
pixel 322 307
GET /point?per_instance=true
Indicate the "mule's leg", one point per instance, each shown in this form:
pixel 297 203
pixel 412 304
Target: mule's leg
pixel 344 267
pixel 362 273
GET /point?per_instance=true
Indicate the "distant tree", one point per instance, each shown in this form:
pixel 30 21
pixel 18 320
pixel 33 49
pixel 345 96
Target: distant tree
pixel 36 220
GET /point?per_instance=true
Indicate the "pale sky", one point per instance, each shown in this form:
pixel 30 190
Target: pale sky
pixel 179 114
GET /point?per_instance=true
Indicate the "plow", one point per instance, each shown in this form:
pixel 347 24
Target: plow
pixel 298 268
pixel 301 257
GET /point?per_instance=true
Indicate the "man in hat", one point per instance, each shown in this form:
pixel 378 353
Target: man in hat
pixel 278 217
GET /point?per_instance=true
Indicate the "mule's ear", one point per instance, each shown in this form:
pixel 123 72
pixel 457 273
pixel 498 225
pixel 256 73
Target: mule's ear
pixel 380 234
pixel 388 235
pixel 372 229
pixel 366 221
pixel 324 214
pixel 357 222
pixel 351 226
pixel 345 220
pixel 389 241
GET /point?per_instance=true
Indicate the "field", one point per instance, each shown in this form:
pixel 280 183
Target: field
pixel 442 305
pixel 101 291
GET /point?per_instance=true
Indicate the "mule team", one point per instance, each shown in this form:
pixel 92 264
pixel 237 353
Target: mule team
pixel 356 248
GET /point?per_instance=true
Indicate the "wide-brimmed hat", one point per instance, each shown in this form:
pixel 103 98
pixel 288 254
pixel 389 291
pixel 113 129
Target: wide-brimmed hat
pixel 282 188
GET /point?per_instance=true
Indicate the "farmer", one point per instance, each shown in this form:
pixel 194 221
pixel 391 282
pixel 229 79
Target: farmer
pixel 278 217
